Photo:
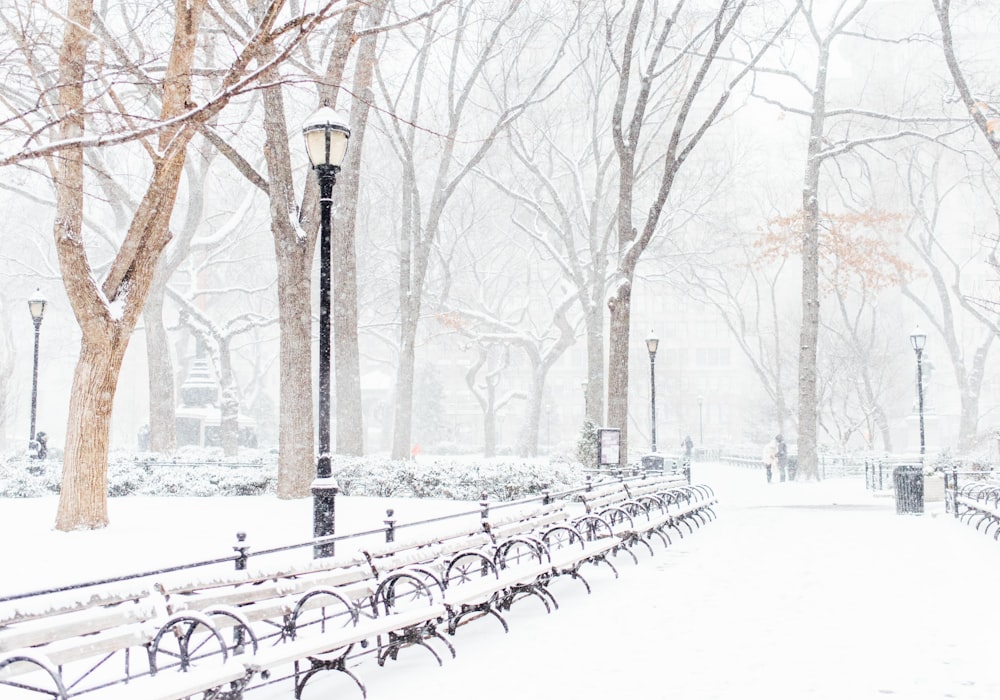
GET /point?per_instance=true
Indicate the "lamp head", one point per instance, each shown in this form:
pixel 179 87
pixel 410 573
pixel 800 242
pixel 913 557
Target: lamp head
pixel 652 342
pixel 326 134
pixel 918 339
pixel 36 305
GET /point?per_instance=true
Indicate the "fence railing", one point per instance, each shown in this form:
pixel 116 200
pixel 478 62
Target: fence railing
pixel 283 555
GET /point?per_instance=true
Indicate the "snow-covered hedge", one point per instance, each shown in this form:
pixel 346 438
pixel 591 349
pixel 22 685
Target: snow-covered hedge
pixel 501 478
pixel 208 474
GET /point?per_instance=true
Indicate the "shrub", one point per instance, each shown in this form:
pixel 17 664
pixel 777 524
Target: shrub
pixel 456 478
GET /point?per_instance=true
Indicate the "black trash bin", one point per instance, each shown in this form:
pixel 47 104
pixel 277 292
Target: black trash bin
pixel 908 480
pixel 652 462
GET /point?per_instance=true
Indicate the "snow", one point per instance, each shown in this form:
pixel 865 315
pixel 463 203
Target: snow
pixel 798 590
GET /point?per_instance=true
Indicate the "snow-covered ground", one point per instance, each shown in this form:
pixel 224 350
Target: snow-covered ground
pixel 797 591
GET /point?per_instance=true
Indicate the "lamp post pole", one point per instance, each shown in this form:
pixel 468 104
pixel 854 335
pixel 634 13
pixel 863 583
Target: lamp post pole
pixel 651 344
pixel 326 142
pixel 701 421
pixel 36 305
pixel 918 340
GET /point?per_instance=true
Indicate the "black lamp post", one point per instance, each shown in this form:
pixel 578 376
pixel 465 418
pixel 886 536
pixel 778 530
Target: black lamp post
pixel 326 137
pixel 701 421
pixel 36 306
pixel 918 339
pixel 651 343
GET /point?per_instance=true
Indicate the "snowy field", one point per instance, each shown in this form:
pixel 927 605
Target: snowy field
pixel 797 591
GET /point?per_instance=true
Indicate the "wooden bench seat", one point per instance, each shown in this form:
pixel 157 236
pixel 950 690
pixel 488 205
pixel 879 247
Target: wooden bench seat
pixel 227 632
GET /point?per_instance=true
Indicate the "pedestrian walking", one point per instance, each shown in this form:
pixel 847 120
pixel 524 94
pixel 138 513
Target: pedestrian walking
pixel 769 457
pixel 688 444
pixel 780 455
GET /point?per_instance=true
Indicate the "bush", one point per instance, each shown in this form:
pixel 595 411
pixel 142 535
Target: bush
pixel 455 478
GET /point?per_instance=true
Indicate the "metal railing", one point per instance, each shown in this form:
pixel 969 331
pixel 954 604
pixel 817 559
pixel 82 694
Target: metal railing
pixel 243 553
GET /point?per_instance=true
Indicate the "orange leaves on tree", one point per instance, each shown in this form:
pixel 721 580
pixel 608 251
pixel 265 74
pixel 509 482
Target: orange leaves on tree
pixel 451 320
pixel 855 248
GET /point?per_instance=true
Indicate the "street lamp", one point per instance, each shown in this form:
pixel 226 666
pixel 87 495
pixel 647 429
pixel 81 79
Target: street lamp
pixel 36 306
pixel 918 339
pixel 701 421
pixel 651 343
pixel 326 136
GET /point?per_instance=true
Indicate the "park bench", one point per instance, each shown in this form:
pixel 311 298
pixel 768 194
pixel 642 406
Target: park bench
pixel 316 612
pixel 223 634
pixel 979 503
pixel 483 573
pixel 641 509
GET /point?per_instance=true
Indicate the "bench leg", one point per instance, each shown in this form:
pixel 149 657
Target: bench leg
pixel 534 589
pixel 60 689
pixel 234 692
pixel 316 665
pixel 603 559
pixel 487 608
pixel 575 573
pixel 662 535
pixel 417 635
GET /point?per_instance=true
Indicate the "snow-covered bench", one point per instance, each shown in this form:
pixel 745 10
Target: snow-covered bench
pixel 483 573
pixel 979 504
pixel 207 636
pixel 641 509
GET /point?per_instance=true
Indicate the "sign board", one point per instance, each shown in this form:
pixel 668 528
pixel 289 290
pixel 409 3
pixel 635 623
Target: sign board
pixel 608 445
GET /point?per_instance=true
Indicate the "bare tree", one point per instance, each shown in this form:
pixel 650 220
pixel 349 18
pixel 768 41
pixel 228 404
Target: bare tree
pixel 474 50
pixel 670 76
pixel 979 101
pixel 950 302
pixel 81 107
pixel 833 131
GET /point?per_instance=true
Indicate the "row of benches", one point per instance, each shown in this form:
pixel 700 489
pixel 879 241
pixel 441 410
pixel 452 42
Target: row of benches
pixel 978 503
pixel 220 636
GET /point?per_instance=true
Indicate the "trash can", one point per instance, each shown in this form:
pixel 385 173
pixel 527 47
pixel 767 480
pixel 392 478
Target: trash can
pixel 652 462
pixel 908 480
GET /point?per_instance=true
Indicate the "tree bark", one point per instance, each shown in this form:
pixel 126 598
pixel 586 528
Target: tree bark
pixel 619 304
pixel 347 365
pixel 83 502
pixel 808 465
pixel 160 375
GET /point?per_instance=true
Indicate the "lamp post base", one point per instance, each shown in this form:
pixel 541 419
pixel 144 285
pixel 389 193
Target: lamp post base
pixel 324 492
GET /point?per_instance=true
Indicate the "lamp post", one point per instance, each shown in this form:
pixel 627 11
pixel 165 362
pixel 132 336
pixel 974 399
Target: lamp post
pixel 918 339
pixel 651 344
pixel 701 421
pixel 36 306
pixel 326 135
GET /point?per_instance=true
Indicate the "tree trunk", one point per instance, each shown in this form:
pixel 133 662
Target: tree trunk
pixel 527 442
pixel 403 414
pixel 162 398
pixel 621 317
pixel 347 363
pixel 594 392
pixel 490 428
pixel 808 467
pixel 83 502
pixel 229 402
pixel 296 466
pixel 294 256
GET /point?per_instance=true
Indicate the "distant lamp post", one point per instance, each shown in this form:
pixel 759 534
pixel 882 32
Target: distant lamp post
pixel 918 339
pixel 701 420
pixel 651 344
pixel 584 385
pixel 326 135
pixel 36 306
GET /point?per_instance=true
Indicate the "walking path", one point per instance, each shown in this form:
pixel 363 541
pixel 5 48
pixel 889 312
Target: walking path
pixel 797 591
